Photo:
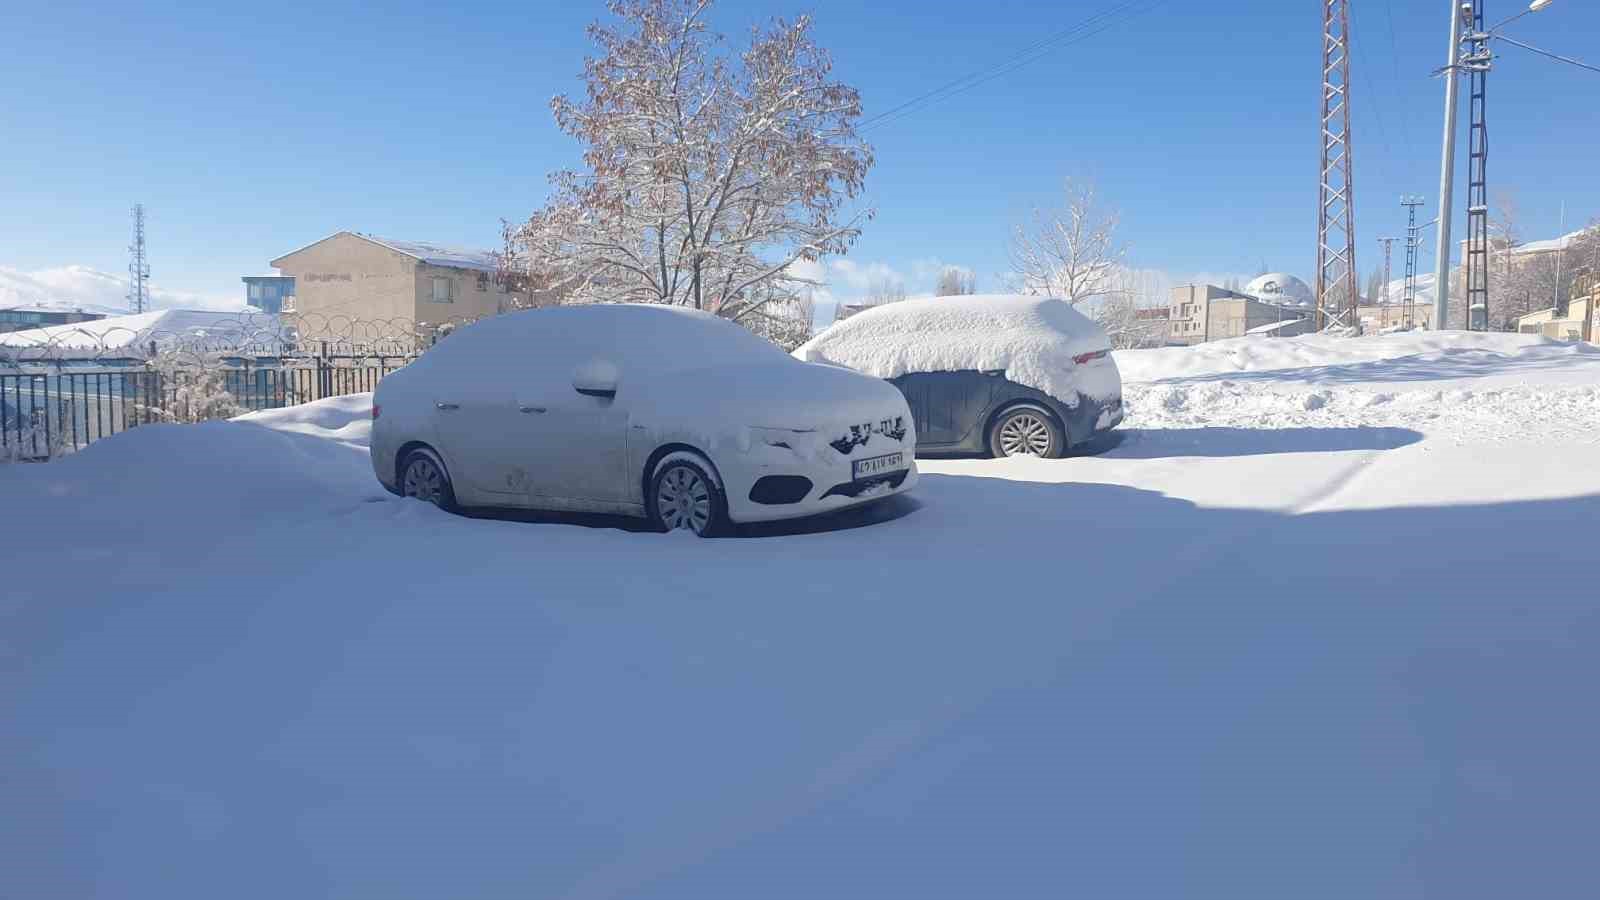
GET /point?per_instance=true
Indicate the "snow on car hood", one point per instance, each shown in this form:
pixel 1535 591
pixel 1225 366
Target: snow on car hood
pixel 1032 339
pixel 780 394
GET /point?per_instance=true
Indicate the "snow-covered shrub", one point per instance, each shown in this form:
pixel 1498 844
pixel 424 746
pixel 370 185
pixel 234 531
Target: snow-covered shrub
pixel 195 388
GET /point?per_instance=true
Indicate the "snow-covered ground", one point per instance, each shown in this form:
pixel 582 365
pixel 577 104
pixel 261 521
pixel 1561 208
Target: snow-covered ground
pixel 1325 623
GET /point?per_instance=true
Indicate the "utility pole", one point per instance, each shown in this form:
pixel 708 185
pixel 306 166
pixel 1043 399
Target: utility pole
pixel 1558 305
pixel 1447 167
pixel 1337 292
pixel 1477 63
pixel 1413 242
pixel 138 266
pixel 1388 246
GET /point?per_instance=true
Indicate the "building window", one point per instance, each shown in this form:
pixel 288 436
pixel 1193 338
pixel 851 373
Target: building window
pixel 255 291
pixel 441 290
pixel 483 281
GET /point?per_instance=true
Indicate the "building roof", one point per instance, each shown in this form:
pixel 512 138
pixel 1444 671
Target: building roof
pixel 52 310
pixel 130 335
pixel 422 251
pixel 440 255
pixel 1275 326
pixel 1280 288
pixel 1559 243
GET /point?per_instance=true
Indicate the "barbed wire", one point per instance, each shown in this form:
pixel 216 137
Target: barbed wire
pixel 208 338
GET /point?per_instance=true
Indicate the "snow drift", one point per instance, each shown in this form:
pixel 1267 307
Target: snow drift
pixel 1305 658
pixel 1032 339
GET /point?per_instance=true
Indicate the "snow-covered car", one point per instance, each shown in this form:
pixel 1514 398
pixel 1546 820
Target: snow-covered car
pixel 677 416
pixel 1008 375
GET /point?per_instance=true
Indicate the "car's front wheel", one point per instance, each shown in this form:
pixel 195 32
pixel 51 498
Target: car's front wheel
pixel 1026 431
pixel 684 495
pixel 424 478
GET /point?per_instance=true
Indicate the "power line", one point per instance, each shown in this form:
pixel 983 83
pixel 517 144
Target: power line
pixel 1394 59
pixel 1555 56
pixel 1073 34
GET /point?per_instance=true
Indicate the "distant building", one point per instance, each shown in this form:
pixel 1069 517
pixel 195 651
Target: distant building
pixel 19 318
pixel 1378 317
pixel 1204 312
pixel 1280 289
pixel 1284 328
pixel 365 278
pixel 113 339
pixel 269 293
pixel 846 310
pixel 1580 321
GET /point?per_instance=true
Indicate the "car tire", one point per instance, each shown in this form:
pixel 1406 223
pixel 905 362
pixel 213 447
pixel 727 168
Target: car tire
pixel 685 494
pixel 423 477
pixel 1026 431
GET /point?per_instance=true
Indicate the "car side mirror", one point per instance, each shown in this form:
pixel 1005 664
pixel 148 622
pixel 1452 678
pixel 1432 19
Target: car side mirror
pixel 596 378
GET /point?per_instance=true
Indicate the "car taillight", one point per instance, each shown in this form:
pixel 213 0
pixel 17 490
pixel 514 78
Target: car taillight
pixel 1082 358
pixel 375 410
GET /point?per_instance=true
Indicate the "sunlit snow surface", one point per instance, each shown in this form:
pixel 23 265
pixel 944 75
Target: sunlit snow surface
pixel 1322 624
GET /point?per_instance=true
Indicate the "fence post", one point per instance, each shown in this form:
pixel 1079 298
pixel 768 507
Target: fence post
pixel 324 374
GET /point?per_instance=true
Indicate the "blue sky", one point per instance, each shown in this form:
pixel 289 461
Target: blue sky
pixel 249 131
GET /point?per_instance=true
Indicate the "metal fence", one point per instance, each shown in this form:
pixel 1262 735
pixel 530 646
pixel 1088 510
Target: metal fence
pixel 50 409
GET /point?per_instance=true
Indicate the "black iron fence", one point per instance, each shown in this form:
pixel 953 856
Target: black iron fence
pixel 54 408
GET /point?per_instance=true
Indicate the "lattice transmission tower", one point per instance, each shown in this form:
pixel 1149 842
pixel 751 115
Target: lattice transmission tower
pixel 1413 239
pixel 1476 62
pixel 1337 291
pixel 138 265
pixel 1388 249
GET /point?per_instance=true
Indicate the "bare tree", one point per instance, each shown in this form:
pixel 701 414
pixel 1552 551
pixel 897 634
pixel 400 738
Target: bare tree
pixel 705 174
pixel 1504 231
pixel 1133 309
pixel 1069 253
pixel 954 280
pixel 884 290
pixel 1522 282
pixel 1375 284
pixel 783 315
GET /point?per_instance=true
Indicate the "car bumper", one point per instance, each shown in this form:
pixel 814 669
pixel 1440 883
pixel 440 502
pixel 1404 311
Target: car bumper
pixel 830 486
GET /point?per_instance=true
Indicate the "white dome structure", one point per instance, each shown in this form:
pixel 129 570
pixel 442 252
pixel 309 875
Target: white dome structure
pixel 1281 288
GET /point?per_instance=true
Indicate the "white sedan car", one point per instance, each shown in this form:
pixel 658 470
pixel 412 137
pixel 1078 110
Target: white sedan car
pixel 666 413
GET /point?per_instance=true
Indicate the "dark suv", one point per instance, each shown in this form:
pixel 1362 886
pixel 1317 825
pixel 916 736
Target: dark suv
pixel 984 412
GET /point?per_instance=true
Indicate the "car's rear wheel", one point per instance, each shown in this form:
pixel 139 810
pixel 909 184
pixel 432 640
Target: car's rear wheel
pixel 1026 431
pixel 684 495
pixel 423 477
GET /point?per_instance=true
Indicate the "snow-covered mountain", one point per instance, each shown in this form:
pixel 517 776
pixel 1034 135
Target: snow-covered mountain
pixel 81 287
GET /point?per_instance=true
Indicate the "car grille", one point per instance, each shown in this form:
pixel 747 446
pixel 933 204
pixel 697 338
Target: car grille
pixel 890 429
pixel 857 488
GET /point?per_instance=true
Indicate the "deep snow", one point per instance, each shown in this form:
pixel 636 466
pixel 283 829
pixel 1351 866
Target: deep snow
pixel 1254 651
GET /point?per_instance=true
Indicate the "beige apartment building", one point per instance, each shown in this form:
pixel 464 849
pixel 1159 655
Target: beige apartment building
pixel 364 278
pixel 1205 312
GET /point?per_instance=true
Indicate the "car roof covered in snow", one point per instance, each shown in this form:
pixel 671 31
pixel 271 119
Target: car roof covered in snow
pixel 1032 339
pixel 641 337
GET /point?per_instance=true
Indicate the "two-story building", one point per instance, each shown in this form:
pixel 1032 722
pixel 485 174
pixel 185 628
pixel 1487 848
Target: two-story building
pixel 1200 313
pixel 20 318
pixel 361 277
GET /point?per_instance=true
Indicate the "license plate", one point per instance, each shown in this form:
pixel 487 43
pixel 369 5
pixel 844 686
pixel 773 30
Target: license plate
pixel 877 465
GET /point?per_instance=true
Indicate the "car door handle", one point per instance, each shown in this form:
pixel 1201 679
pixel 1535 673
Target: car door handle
pixel 443 405
pixel 530 409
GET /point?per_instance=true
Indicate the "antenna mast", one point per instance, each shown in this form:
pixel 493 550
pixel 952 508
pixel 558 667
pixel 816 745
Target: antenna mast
pixel 138 265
